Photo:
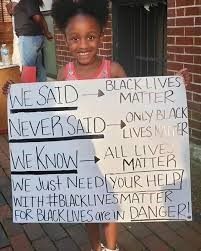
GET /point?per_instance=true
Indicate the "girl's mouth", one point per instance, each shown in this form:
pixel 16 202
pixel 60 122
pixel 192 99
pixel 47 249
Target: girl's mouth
pixel 83 53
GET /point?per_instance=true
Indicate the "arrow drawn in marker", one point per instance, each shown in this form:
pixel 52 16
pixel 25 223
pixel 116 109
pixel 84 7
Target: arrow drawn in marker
pixel 122 124
pixel 95 160
pixel 100 93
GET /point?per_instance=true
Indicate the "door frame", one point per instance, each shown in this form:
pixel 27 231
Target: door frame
pixel 116 5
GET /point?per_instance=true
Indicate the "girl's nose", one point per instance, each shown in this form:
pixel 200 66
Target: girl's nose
pixel 83 43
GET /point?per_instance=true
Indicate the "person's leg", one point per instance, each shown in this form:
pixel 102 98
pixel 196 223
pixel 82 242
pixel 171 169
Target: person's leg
pixel 94 236
pixel 30 53
pixel 110 232
pixel 41 72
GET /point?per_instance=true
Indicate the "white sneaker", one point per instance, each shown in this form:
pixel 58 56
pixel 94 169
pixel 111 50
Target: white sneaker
pixel 102 248
pixel 106 249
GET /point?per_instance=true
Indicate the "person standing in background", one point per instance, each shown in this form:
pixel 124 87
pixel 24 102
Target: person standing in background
pixel 31 30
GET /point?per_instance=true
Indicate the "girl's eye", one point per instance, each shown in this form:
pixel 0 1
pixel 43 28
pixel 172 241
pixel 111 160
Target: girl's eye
pixel 91 37
pixel 73 39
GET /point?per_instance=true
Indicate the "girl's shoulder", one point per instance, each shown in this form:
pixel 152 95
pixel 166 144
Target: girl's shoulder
pixel 117 71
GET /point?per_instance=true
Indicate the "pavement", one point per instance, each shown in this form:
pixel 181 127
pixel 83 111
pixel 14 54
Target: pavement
pixel 164 236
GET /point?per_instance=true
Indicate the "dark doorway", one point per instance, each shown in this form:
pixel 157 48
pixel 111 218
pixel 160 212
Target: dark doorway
pixel 139 37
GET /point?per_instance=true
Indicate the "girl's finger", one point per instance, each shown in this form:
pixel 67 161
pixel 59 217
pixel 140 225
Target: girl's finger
pixel 10 82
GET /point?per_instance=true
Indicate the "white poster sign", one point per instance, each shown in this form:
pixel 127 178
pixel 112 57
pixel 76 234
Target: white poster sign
pixel 110 150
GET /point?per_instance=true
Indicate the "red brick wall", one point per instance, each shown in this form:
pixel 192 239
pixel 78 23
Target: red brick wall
pixel 63 55
pixel 4 16
pixel 184 50
pixel 6 30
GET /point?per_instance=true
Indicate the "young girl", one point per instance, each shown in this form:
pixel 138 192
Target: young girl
pixel 82 22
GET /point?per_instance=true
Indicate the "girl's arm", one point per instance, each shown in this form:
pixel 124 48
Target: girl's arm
pixel 185 75
pixel 117 71
pixel 40 20
pixel 6 87
pixel 61 74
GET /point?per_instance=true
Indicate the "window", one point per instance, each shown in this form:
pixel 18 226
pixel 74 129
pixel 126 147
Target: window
pixel 139 37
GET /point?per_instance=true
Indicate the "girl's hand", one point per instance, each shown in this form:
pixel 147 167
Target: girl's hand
pixel 6 87
pixel 185 75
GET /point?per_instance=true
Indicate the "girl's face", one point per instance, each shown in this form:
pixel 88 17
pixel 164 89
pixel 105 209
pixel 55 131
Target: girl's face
pixel 83 37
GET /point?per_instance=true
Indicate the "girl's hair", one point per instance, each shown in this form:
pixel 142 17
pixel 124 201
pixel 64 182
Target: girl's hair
pixel 63 10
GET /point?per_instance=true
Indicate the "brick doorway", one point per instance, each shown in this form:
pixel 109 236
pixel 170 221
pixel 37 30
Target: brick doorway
pixel 139 36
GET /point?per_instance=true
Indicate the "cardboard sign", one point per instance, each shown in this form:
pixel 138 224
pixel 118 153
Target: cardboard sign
pixel 110 150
